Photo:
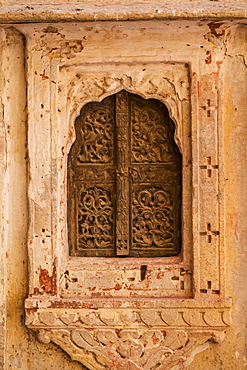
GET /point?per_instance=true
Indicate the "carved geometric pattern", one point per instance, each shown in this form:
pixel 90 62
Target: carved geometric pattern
pixel 130 142
pixel 209 233
pixel 209 167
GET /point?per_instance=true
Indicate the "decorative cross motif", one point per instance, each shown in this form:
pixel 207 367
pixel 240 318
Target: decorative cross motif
pixel 209 167
pixel 208 108
pixel 209 233
pixel 209 289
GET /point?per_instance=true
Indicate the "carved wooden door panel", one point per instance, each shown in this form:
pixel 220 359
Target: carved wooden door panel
pixel 124 180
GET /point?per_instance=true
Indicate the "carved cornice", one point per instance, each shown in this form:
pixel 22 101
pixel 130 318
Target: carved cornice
pixel 86 12
pixel 173 314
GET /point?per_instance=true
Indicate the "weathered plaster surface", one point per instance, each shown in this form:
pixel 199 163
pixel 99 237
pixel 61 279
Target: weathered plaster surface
pixel 223 55
pixel 113 11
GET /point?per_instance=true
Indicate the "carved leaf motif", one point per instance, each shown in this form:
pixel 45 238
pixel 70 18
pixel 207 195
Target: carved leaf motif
pixel 175 339
pixel 83 339
pixel 152 338
pixel 213 318
pixel 48 318
pixel 150 144
pixel 152 218
pixel 169 316
pixel 131 349
pixel 95 218
pixel 107 349
pixel 97 136
pixel 129 205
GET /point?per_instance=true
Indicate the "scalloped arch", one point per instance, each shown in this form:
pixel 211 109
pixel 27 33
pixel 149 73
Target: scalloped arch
pixel 89 90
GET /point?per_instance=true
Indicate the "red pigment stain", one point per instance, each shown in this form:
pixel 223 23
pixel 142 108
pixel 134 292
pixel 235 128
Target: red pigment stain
pixel 47 282
pixel 155 339
pixel 44 77
pixel 208 59
pixel 30 311
pixel 118 286
pixel 160 275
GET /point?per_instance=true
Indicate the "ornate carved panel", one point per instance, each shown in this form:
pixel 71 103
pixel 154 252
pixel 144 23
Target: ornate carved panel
pixel 133 210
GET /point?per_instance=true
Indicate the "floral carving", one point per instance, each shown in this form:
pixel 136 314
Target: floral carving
pixel 130 349
pixel 95 218
pixel 152 218
pixel 150 138
pixel 97 134
pixel 118 349
pixel 141 134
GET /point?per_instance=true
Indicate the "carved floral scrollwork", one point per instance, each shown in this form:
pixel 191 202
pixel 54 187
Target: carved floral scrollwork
pixel 117 349
pixel 97 136
pixel 152 218
pixel 149 137
pixel 95 218
pixel 131 349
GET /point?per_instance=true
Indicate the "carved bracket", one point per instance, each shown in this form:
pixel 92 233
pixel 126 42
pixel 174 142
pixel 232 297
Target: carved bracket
pixel 114 337
pixel 129 349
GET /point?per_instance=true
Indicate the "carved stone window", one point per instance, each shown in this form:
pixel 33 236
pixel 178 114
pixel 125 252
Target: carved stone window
pixel 124 186
pixel 105 106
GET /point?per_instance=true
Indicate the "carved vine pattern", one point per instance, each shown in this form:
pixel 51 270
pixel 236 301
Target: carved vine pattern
pixel 122 126
pixel 95 218
pixel 97 135
pixel 152 218
pixel 128 349
pixel 149 136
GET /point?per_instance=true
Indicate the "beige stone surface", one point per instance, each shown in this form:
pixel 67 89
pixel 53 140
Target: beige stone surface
pixel 44 62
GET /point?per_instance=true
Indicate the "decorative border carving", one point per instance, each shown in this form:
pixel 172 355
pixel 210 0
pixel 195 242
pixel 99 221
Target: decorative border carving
pixel 196 317
pixel 148 86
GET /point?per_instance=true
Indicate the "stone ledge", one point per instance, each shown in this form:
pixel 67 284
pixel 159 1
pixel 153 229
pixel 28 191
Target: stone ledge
pixel 33 13
pixel 186 313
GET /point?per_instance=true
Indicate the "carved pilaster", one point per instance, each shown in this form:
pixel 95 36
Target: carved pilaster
pixel 122 174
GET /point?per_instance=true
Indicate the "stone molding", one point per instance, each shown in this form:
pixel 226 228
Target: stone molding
pixel 193 314
pixel 148 11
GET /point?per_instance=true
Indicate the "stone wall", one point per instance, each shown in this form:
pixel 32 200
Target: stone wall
pixel 20 348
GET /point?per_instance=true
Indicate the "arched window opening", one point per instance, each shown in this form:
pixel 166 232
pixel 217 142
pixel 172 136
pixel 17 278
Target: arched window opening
pixel 124 180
